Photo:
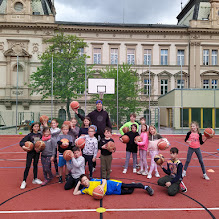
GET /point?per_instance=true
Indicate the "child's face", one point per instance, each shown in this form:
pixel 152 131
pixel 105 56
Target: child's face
pixel 107 134
pixel 91 132
pixel 152 130
pixel 36 128
pixel 134 129
pixel 46 133
pixel 54 124
pixel 86 122
pixel 65 130
pixel 77 154
pixel 194 127
pixel 173 156
pixel 73 122
pixel 142 121
pixel 143 128
pixel 132 118
pixel 85 181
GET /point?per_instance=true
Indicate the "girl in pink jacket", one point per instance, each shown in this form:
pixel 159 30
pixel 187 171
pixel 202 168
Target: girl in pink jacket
pixel 143 146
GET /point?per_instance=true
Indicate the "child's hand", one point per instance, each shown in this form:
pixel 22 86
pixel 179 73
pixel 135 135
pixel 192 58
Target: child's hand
pixel 45 123
pixel 101 188
pixel 52 159
pixel 94 159
pixel 121 139
pixel 189 142
pixel 104 146
pixel 26 149
pixel 168 184
pixel 75 110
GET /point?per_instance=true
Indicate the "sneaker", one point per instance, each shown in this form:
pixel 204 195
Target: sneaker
pixel 45 182
pixel 183 173
pixel 206 177
pixel 60 179
pixel 157 174
pixel 140 172
pixel 182 187
pixel 134 170
pixel 23 185
pixel 137 165
pixel 37 181
pixel 144 173
pixel 93 169
pixel 111 170
pixel 150 190
pixel 124 171
pixel 149 176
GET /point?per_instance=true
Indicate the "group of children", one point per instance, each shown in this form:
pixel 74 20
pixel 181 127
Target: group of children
pixel 75 168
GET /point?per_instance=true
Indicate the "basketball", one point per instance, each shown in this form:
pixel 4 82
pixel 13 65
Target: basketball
pixel 209 132
pixel 44 118
pixel 29 145
pixel 67 123
pixel 98 193
pixel 39 146
pixel 64 140
pixel 138 139
pixel 68 154
pixel 74 105
pixel 163 144
pixel 159 159
pixel 125 138
pixel 125 129
pixel 80 142
pixel 111 146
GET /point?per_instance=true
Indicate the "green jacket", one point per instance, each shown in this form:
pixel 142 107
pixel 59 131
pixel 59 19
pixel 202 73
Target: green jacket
pixel 128 124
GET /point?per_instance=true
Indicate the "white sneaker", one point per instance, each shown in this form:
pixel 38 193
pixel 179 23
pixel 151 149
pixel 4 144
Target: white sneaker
pixel 37 181
pixel 157 174
pixel 144 173
pixel 23 185
pixel 93 169
pixel 124 171
pixel 149 176
pixel 206 177
pixel 134 170
pixel 183 173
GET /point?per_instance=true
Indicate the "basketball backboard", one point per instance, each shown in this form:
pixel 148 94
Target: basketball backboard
pixel 101 85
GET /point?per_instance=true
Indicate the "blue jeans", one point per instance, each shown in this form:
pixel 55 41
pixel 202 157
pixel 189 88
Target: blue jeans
pixel 134 156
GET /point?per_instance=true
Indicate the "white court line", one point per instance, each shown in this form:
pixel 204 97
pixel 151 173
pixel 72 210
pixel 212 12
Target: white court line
pixel 94 210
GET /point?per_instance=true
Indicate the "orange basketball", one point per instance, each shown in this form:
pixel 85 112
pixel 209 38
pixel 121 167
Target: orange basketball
pixel 163 144
pixel 111 146
pixel 74 105
pixel 29 145
pixel 44 118
pixel 159 159
pixel 209 133
pixel 125 129
pixel 68 154
pixel 67 123
pixel 98 193
pixel 125 138
pixel 64 140
pixel 80 142
pixel 138 139
pixel 39 146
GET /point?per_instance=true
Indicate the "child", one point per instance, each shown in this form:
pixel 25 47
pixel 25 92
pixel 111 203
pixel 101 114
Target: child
pixel 131 148
pixel 55 131
pixel 109 187
pixel 33 136
pixel 84 129
pixel 48 155
pixel 62 162
pixel 76 166
pixel 73 130
pixel 128 124
pixel 153 149
pixel 90 150
pixel 106 156
pixel 143 146
pixel 194 139
pixel 142 122
pixel 174 173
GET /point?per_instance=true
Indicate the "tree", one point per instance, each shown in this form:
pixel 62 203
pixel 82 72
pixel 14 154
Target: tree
pixel 68 67
pixel 128 92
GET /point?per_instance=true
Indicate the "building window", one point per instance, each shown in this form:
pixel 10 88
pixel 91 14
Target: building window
pixel 147 56
pixel 146 86
pixel 180 57
pixel 97 55
pixel 205 57
pixel 179 84
pixel 214 57
pixel 164 56
pixel 164 86
pixel 114 56
pixel 205 84
pixel 131 56
pixel 81 51
pixel 214 84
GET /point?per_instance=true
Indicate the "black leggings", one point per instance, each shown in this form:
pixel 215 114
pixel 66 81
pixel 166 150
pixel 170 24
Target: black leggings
pixel 35 156
pixel 129 188
pixel 56 163
pixel 88 158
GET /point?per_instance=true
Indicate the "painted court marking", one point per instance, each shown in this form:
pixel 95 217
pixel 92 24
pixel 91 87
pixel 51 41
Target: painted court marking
pixel 94 210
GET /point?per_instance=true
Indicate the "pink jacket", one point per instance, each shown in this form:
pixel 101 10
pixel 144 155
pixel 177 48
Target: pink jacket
pixel 144 144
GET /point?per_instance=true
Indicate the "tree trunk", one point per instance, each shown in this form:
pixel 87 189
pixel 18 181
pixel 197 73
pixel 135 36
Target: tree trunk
pixel 67 107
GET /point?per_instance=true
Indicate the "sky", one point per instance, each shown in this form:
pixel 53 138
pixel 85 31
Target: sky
pixel 119 11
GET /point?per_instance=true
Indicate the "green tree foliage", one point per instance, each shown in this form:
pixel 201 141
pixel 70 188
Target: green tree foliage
pixel 68 68
pixel 128 93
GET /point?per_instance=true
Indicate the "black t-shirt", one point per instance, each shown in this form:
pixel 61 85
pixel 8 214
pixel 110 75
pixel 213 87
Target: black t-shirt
pixel 104 141
pixel 131 146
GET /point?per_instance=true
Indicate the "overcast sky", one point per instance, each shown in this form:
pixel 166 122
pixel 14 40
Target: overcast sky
pixel 111 11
